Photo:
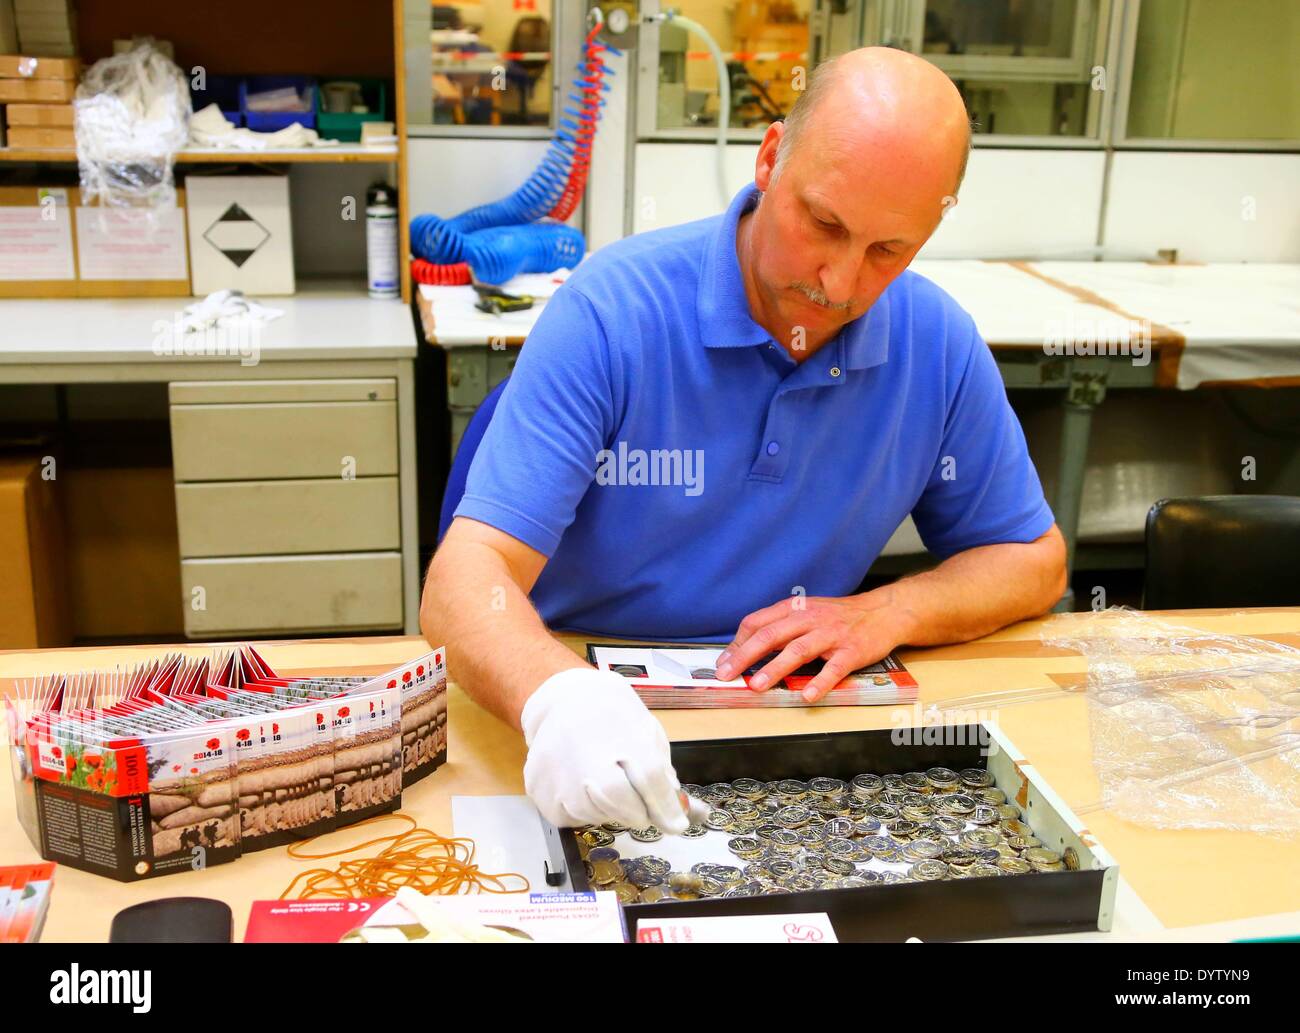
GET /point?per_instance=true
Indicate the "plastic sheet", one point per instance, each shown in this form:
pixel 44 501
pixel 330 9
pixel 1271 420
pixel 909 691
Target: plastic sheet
pixel 132 114
pixel 1189 730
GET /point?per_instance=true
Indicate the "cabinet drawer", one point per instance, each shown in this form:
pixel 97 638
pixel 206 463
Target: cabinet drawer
pixel 258 518
pixel 292 593
pixel 368 389
pixel 233 442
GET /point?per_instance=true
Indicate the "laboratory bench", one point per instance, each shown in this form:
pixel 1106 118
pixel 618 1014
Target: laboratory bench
pixel 1174 884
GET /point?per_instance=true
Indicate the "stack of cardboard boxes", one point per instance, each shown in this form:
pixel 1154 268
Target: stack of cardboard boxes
pixel 46 27
pixel 37 93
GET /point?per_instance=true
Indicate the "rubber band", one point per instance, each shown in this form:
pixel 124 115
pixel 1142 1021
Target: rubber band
pixel 419 858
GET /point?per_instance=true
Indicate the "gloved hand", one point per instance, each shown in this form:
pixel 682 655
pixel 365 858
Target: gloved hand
pixel 596 754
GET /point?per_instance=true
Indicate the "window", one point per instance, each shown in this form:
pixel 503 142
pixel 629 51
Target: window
pixel 1206 70
pixel 1024 67
pixel 765 45
pixel 490 63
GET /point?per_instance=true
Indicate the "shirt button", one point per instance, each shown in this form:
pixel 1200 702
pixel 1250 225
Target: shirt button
pixel 835 371
pixel 773 448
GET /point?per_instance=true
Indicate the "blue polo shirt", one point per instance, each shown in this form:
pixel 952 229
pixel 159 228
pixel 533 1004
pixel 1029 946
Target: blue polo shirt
pixel 680 470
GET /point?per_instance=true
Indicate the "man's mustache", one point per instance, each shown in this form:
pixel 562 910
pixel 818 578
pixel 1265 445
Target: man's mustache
pixel 817 297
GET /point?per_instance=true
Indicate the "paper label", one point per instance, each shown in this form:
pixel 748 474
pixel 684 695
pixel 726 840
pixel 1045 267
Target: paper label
pixel 799 928
pixel 36 241
pixel 132 244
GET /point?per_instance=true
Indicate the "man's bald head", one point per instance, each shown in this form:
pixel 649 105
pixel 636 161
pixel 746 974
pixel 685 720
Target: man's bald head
pixel 896 97
pixel 853 185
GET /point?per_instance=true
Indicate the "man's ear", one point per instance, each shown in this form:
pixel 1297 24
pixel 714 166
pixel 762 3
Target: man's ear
pixel 766 161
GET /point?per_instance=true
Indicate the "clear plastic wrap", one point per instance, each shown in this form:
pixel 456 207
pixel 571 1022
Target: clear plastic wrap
pixel 1190 730
pixel 132 115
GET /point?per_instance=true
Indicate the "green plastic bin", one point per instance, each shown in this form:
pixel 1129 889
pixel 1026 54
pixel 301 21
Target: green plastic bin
pixel 347 127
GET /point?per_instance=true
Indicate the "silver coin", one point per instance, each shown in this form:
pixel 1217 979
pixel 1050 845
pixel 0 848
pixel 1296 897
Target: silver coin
pixel 792 817
pixel 922 850
pixel 916 782
pixel 719 820
pixel 748 788
pixel 976 778
pixel 866 827
pixel 866 785
pixel 792 787
pixel 745 846
pixel 649 834
pixel 929 870
pixel 948 825
pixel 695 831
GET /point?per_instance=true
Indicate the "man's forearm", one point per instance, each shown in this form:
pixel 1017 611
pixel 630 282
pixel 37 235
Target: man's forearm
pixel 497 646
pixel 977 592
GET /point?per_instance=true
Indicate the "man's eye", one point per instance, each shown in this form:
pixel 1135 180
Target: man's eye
pixel 884 249
pixel 828 227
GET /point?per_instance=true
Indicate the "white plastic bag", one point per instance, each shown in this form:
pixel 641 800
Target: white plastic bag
pixel 132 114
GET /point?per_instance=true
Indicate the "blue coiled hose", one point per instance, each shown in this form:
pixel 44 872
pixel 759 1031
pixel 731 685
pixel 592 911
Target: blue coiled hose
pixel 504 238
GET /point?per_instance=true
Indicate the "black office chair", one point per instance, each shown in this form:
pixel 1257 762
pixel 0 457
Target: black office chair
pixel 1223 551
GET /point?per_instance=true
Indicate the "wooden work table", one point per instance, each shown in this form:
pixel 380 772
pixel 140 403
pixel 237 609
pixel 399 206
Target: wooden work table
pixel 1186 878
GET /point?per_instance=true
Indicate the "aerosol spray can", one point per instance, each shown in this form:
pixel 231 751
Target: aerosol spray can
pixel 381 241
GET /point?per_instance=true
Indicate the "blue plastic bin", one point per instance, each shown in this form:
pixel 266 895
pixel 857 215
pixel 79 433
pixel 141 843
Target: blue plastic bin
pixel 223 91
pixel 270 121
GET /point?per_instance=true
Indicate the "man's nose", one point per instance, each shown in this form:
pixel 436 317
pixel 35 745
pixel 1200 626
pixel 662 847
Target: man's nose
pixel 839 276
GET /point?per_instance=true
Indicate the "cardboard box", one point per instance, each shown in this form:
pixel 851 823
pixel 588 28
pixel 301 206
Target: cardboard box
pixel 57 138
pixel 60 115
pixel 35 66
pixel 240 234
pixel 37 91
pixel 124 570
pixel 34 609
pixel 38 257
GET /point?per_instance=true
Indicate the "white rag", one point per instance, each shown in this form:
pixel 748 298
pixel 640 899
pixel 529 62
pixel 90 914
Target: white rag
pixel 210 128
pixel 226 308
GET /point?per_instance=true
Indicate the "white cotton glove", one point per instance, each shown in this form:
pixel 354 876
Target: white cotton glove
pixel 596 754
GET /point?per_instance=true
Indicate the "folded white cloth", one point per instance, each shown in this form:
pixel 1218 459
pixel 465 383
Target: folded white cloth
pixel 210 128
pixel 225 309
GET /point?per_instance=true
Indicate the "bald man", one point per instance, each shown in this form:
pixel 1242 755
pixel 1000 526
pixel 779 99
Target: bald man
pixel 714 429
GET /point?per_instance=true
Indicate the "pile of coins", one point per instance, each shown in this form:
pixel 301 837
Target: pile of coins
pixel 825 833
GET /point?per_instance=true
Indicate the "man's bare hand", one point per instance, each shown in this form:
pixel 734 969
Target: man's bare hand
pixel 847 633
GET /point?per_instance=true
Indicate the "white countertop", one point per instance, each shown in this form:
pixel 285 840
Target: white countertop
pixel 1233 321
pixel 327 320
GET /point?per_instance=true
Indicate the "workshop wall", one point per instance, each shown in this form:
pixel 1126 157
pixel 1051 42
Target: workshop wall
pixel 249 37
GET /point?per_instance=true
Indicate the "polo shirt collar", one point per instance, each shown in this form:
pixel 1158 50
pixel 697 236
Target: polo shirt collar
pixel 723 307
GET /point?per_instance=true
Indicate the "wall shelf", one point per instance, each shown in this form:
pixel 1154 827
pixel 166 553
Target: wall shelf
pixel 338 154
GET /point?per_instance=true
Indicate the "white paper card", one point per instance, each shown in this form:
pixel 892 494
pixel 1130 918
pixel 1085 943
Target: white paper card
pixel 794 928
pixel 36 243
pixel 131 244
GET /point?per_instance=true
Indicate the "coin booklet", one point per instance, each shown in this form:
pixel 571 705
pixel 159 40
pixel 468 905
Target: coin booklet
pixel 24 901
pixel 186 761
pixel 682 676
pixel 587 917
